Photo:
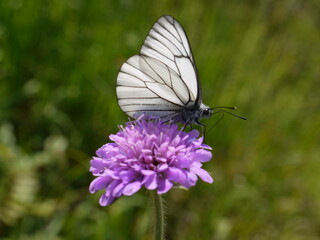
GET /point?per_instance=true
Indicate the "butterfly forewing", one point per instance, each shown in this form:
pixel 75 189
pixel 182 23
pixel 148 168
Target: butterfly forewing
pixel 168 42
pixel 168 39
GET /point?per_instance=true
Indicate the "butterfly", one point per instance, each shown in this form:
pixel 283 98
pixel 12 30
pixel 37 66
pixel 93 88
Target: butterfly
pixel 162 81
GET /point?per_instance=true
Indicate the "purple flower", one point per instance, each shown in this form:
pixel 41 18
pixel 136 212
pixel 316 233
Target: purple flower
pixel 148 154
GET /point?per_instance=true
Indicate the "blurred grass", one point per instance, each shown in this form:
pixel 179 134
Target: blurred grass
pixel 58 66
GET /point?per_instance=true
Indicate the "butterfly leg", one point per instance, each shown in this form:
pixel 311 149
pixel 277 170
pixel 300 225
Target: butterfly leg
pixel 203 127
pixel 187 124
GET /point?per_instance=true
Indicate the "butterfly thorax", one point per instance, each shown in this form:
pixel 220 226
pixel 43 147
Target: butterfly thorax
pixel 193 114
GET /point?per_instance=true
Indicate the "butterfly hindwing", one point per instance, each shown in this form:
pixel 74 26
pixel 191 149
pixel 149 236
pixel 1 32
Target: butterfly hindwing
pixel 146 85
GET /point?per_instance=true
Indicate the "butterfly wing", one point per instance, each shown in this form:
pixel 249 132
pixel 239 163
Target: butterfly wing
pixel 162 81
pixel 146 85
pixel 168 43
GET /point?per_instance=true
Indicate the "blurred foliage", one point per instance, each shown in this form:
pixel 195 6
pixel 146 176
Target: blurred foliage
pixel 58 66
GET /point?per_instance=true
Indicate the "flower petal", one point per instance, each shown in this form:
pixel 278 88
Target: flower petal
pixel 191 179
pixel 150 181
pixel 203 174
pixel 164 185
pixel 162 167
pixel 97 163
pixel 176 175
pixel 117 191
pixel 147 172
pixel 99 183
pixel 131 188
pixel 185 161
pixel 201 155
pixel 106 200
pixel 193 134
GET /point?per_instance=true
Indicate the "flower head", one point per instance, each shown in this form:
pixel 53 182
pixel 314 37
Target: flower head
pixel 148 154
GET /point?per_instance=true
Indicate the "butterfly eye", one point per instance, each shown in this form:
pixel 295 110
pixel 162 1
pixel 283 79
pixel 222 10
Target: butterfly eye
pixel 207 112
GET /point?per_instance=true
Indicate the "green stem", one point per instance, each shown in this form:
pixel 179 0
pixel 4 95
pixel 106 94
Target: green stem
pixel 159 222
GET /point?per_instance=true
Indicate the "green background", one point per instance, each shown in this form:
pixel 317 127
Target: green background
pixel 58 66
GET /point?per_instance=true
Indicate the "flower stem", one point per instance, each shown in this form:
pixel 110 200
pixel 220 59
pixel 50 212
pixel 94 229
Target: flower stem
pixel 159 222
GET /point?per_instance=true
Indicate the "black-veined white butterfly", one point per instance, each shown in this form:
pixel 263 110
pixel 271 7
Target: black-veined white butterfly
pixel 163 81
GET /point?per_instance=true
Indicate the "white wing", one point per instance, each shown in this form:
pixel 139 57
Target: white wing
pixel 147 85
pixel 168 43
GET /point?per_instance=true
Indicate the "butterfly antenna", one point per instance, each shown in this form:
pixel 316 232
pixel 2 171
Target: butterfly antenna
pixel 220 109
pixel 233 108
